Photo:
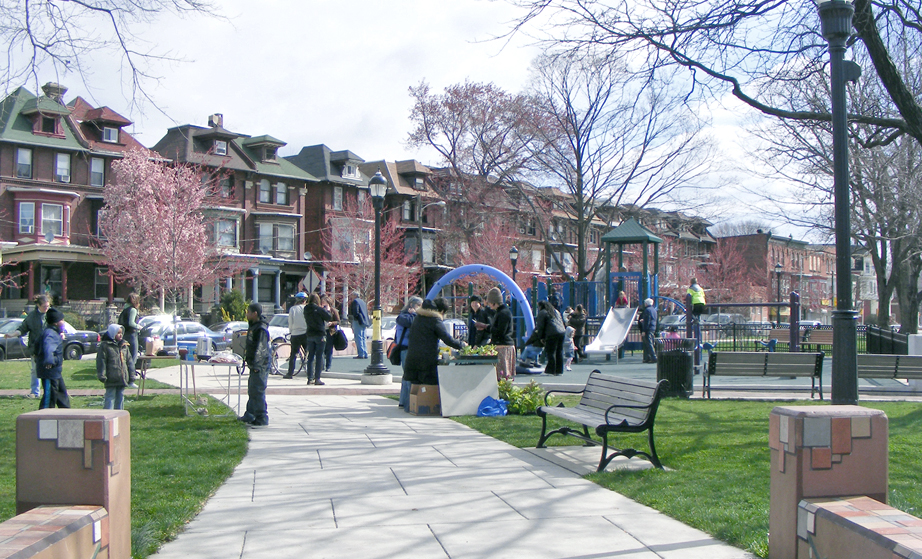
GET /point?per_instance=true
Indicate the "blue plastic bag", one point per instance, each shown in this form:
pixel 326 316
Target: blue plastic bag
pixel 491 407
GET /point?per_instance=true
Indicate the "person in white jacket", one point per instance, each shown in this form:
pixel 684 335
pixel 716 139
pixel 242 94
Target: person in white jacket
pixel 297 328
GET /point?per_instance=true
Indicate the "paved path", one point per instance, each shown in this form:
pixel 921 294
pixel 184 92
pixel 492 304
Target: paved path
pixel 355 477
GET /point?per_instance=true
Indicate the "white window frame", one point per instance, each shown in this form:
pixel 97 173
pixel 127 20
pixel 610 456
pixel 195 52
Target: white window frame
pixel 23 163
pixel 361 199
pixel 53 220
pixel 97 171
pixel 110 134
pixel 338 198
pixel 27 227
pixel 98 221
pixel 220 147
pixel 266 237
pixel 407 214
pixel 265 191
pixel 282 234
pixel 281 194
pixel 226 226
pixel 60 176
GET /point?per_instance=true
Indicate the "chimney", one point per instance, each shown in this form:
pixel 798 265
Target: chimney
pixel 216 120
pixel 54 91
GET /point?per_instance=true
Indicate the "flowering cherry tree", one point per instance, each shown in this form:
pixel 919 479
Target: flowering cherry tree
pixel 154 233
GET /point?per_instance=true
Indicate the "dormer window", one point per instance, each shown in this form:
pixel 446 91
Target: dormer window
pixel 110 134
pixel 220 147
pixel 270 153
pixel 350 171
pixel 49 125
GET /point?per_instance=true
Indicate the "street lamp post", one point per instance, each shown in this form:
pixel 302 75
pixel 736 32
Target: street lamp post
pixel 419 226
pixel 514 259
pixel 377 372
pixel 836 27
pixel 778 282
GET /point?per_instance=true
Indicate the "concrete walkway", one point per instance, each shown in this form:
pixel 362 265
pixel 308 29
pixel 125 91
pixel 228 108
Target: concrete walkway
pixel 355 477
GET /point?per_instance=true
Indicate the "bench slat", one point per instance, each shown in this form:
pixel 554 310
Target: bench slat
pixel 765 364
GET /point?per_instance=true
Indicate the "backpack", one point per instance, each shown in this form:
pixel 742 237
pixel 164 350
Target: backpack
pixel 123 320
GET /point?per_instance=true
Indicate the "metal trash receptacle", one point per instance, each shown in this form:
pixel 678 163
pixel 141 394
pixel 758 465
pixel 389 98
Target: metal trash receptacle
pixel 675 363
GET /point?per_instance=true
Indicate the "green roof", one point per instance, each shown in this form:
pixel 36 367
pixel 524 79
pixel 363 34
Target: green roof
pixel 16 127
pixel 630 232
pixel 264 139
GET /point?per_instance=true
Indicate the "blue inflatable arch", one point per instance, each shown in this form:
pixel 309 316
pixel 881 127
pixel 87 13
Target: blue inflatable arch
pixel 506 281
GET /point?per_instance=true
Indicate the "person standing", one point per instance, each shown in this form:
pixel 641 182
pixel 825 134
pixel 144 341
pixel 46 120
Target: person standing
pixel 297 330
pixel 569 348
pixel 401 338
pixel 648 330
pixel 552 297
pixel 358 315
pixel 578 322
pixel 33 325
pixel 112 367
pixel 699 304
pixel 51 361
pixel 550 330
pixel 332 327
pixel 501 335
pixel 478 326
pixel 257 359
pixel 422 357
pixel 129 321
pixel 316 316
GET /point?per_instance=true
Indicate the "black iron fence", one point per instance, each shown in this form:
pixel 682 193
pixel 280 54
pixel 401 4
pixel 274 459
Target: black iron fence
pixel 886 341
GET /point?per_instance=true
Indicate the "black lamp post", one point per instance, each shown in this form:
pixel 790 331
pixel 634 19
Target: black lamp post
pixel 378 187
pixel 836 26
pixel 514 258
pixel 419 226
pixel 778 282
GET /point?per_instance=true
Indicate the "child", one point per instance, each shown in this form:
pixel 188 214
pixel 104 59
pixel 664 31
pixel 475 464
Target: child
pixel 112 367
pixel 568 346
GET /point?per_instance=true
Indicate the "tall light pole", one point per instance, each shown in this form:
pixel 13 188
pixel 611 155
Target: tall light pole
pixel 836 26
pixel 514 259
pixel 778 282
pixel 377 372
pixel 419 226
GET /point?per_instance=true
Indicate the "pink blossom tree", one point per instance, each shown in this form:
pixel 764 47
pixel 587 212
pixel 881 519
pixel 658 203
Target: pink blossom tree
pixel 154 233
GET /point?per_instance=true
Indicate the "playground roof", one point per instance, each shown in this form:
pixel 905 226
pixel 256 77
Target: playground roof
pixel 630 232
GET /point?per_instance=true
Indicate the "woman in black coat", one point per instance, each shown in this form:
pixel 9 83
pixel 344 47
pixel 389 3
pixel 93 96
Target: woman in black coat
pixel 578 322
pixel 421 362
pixel 549 329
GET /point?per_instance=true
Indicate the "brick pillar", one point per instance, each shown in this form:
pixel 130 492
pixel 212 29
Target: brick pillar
pixel 77 457
pixel 822 451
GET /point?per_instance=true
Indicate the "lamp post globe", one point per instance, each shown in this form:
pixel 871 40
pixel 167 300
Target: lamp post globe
pixel 377 372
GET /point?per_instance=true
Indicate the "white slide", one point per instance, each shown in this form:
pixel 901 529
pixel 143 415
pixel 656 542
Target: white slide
pixel 613 332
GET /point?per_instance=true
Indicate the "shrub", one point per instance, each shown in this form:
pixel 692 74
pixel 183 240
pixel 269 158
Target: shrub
pixel 75 320
pixel 522 401
pixel 233 306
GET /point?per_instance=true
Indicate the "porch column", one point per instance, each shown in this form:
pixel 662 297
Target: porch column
pixel 111 288
pixel 278 289
pixel 64 267
pixel 255 272
pixel 31 289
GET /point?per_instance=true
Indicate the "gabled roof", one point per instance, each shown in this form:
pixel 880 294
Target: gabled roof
pixel 45 106
pixel 89 120
pixel 396 174
pixel 630 232
pixel 264 140
pixel 17 127
pixel 318 160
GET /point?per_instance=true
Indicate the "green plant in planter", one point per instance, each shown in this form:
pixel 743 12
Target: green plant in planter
pixel 522 400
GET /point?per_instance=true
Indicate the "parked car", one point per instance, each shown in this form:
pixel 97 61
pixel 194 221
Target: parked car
pixel 724 319
pixel 232 326
pixel 677 320
pixel 278 327
pixel 77 343
pixel 188 331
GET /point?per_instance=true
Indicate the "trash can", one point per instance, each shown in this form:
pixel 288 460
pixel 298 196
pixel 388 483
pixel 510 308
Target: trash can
pixel 675 363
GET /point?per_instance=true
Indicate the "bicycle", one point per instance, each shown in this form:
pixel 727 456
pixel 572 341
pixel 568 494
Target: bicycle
pixel 281 353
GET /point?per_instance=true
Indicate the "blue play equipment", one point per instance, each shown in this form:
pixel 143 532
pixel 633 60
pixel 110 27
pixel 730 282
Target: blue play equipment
pixel 500 277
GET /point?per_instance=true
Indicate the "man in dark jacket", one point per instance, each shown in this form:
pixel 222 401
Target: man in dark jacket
pixel 358 315
pixel 316 316
pixel 257 358
pixel 648 329
pixel 51 362
pixel 501 335
pixel 478 327
pixel 112 367
pixel 549 330
pixel 128 319
pixel 33 325
pixel 422 358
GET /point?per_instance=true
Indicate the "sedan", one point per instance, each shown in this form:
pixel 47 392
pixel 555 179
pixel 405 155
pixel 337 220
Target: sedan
pixel 12 348
pixel 76 342
pixel 230 327
pixel 189 331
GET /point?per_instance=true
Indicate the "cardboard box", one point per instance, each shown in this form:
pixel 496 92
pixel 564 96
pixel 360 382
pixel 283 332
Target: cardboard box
pixel 424 399
pixel 153 346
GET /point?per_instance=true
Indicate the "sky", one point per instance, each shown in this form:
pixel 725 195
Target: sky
pixel 335 72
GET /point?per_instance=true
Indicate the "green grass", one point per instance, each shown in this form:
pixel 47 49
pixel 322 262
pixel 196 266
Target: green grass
pixel 719 457
pixel 77 374
pixel 177 462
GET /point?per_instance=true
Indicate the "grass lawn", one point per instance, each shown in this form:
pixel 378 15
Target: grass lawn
pixel 77 374
pixel 718 453
pixel 177 461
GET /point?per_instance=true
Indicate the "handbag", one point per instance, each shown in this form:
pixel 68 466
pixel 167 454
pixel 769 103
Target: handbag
pixel 339 340
pixel 393 350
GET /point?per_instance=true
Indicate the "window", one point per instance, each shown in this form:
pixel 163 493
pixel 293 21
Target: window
pixel 407 211
pixel 281 193
pixel 53 219
pixel 24 163
pixel 48 125
pixel 361 199
pixel 337 198
pixel 270 154
pixel 102 283
pixel 99 232
pixel 266 231
pixel 97 171
pixel 265 191
pixel 350 171
pixel 226 187
pixel 26 218
pixel 286 236
pixel 62 167
pixel 110 135
pixel 220 147
pixel 226 233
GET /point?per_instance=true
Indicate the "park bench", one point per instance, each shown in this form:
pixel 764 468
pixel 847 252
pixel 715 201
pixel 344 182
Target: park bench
pixel 816 338
pixel 782 335
pixel 609 404
pixel 764 364
pixel 889 366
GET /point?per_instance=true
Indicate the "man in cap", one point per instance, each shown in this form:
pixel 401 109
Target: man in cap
pixel 51 362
